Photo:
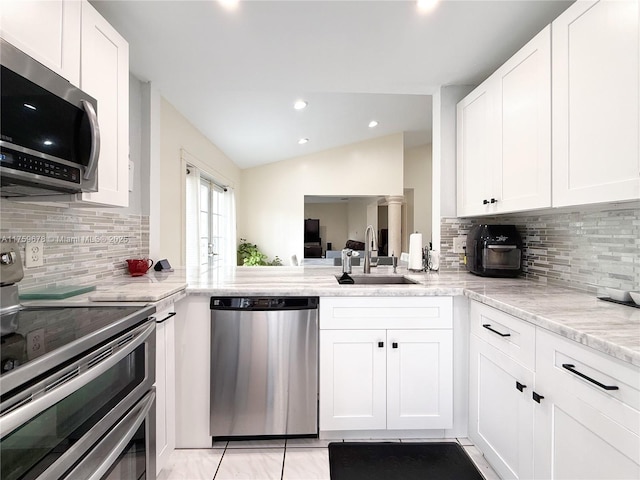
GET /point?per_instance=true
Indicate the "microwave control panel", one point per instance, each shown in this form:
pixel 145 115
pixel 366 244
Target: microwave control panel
pixel 30 163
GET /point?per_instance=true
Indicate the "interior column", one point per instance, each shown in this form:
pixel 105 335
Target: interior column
pixel 394 205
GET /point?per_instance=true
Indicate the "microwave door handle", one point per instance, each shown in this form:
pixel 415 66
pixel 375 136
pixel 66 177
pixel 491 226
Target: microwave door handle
pixel 502 247
pixel 98 462
pixel 95 140
pixel 21 415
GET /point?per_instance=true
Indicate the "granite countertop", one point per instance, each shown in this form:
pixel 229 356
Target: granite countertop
pixel 158 289
pixel 607 327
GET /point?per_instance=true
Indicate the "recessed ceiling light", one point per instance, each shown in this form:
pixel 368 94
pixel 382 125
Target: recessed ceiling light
pixel 48 142
pixel 300 104
pixel 229 4
pixel 302 141
pixel 373 123
pixel 426 6
pixel 29 106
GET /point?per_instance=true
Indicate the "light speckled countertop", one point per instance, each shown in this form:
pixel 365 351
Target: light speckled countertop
pixel 580 316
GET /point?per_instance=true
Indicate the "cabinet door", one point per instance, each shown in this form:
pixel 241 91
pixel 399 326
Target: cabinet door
pixel 419 379
pixel 105 76
pixel 161 394
pixel 476 145
pixel 588 423
pixel 165 386
pixel 596 124
pixel 523 177
pixel 501 410
pixel 193 372
pixel 47 30
pixel 353 380
pixel 576 441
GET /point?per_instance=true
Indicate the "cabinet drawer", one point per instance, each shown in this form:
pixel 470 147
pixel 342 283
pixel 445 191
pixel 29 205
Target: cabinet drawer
pixel 609 385
pixel 339 313
pixel 510 335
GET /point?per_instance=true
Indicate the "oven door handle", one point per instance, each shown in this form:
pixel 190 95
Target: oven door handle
pixel 21 415
pixel 101 458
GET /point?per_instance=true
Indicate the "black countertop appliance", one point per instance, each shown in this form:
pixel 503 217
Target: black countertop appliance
pixel 494 251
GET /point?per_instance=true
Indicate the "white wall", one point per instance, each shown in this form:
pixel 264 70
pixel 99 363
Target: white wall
pixel 417 176
pixel 334 222
pixel 360 216
pixel 272 209
pixel 178 134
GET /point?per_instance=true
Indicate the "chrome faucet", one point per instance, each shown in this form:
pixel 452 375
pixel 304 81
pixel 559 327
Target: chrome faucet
pixel 369 236
pixel 346 260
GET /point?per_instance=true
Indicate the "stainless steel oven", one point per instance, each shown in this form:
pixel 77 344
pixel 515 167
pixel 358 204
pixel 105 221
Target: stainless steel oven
pixel 78 401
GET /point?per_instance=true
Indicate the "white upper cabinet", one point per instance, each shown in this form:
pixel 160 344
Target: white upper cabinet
pixel 523 170
pixel 596 125
pixel 105 76
pixel 476 151
pixel 504 136
pixel 74 40
pixel 47 30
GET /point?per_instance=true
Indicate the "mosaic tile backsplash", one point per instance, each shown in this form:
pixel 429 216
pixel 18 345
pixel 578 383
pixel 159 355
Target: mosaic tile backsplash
pixel 586 250
pixel 82 246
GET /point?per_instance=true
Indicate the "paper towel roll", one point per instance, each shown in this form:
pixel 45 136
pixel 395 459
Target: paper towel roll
pixel 415 252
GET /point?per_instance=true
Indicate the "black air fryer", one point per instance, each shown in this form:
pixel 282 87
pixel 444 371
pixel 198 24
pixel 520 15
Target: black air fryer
pixel 494 251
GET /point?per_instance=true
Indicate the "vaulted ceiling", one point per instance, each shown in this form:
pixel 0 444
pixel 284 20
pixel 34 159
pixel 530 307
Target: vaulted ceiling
pixel 235 73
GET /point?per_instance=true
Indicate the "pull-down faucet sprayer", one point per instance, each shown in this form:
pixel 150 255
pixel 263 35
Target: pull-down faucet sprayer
pixel 369 237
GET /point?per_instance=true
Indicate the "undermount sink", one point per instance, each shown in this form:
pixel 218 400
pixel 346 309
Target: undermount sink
pixel 378 280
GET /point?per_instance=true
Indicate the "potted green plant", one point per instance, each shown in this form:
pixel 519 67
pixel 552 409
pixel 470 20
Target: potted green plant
pixel 249 255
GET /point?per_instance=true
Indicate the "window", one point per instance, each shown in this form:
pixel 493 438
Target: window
pixel 211 223
pixel 210 233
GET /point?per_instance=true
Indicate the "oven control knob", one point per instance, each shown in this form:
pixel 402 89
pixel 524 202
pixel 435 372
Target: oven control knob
pixel 7 258
pixel 9 364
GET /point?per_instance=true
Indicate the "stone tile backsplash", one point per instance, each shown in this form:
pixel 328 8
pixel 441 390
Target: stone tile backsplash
pixel 587 250
pixel 82 246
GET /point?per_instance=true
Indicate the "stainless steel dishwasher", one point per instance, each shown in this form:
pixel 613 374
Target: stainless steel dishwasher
pixel 264 367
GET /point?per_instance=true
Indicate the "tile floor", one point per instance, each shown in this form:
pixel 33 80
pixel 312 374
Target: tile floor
pixel 292 459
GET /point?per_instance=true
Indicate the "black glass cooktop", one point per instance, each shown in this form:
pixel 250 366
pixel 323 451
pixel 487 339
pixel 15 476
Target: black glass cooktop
pixel 33 332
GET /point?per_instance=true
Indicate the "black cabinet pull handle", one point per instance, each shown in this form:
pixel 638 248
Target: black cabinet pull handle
pixel 380 344
pixel 493 200
pixel 572 369
pixel 394 345
pixel 485 202
pixel 167 317
pixel 520 386
pixel 488 327
pixel 537 397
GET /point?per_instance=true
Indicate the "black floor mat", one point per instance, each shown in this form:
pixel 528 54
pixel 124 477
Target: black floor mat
pixel 400 461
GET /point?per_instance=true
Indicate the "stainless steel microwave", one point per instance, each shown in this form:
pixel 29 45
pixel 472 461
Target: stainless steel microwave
pixel 49 133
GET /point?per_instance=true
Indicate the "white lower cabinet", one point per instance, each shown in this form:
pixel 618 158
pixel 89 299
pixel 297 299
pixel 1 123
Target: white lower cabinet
pixel 165 386
pixel 386 363
pixel 353 381
pixel 501 380
pixel 577 416
pixel 588 422
pixel 501 410
pixel 193 360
